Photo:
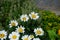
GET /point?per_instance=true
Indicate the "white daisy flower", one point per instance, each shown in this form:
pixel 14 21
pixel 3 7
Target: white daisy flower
pixel 36 39
pixel 20 29
pixel 34 15
pixel 25 37
pixel 39 31
pixel 24 18
pixel 31 36
pixel 3 34
pixel 13 23
pixel 14 36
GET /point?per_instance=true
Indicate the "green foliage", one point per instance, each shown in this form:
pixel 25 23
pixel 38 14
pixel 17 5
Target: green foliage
pixel 52 34
pixel 13 9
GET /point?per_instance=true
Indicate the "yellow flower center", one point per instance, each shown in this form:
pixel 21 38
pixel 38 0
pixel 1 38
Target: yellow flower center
pixel 25 38
pixel 2 35
pixel 38 32
pixel 20 30
pixel 14 36
pixel 33 16
pixel 24 18
pixel 31 36
pixel 13 24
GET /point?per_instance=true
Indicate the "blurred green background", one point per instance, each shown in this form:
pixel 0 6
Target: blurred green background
pixel 12 9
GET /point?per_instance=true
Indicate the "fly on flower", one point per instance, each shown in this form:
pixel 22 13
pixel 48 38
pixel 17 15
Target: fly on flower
pixel 24 18
pixel 34 15
pixel 3 34
pixel 13 23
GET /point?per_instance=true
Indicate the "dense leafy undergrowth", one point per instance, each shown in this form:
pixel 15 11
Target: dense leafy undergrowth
pixel 11 12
